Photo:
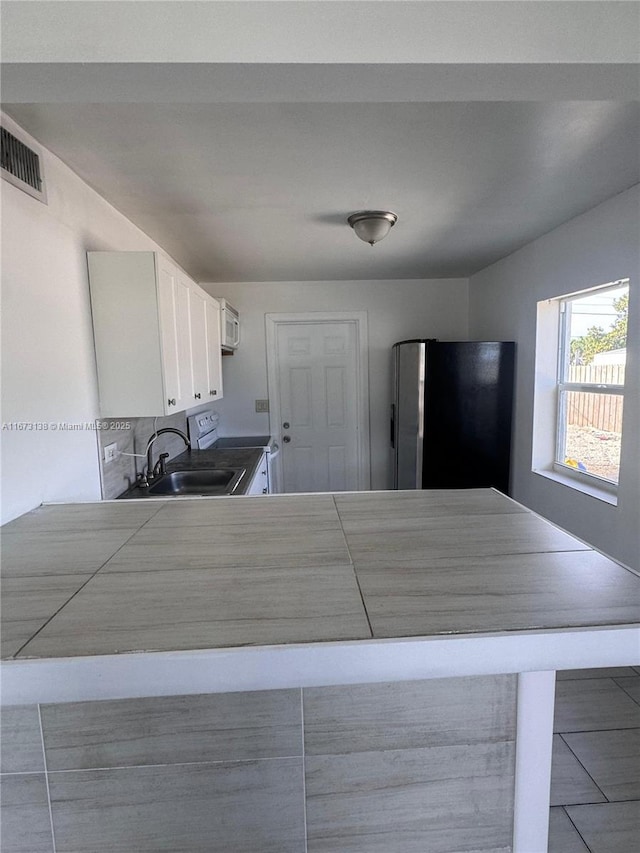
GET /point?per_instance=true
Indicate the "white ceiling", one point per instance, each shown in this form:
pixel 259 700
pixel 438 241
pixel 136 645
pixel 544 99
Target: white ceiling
pixel 261 192
pixel 240 136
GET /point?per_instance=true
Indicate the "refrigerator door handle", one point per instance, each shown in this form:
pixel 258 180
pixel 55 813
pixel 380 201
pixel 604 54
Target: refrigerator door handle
pixel 422 378
pixel 393 425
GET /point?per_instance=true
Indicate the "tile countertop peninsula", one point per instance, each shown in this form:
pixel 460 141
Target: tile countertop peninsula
pixel 173 598
pixel 283 591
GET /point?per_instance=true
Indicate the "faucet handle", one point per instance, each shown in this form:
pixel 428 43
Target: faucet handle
pixel 160 467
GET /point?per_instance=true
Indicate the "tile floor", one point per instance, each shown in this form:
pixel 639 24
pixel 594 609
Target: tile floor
pixel 595 780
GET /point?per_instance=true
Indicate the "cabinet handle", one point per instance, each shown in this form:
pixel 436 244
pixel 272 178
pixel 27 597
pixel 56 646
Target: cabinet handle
pixel 197 396
pixel 213 393
pixel 264 492
pixel 172 401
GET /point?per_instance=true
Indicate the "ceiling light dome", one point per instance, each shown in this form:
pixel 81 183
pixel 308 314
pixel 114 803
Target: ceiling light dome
pixel 372 225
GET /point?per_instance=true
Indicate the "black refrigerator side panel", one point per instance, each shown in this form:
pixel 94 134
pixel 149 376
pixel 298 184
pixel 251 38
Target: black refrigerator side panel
pixel 468 408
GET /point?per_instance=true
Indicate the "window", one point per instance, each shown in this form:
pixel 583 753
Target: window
pixel 590 384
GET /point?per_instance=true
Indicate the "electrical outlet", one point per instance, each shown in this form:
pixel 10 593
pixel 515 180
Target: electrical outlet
pixel 110 452
pixel 262 405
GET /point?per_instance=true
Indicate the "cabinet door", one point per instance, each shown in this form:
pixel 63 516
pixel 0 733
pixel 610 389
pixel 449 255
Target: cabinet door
pixel 173 302
pixel 214 354
pixel 260 483
pixel 199 355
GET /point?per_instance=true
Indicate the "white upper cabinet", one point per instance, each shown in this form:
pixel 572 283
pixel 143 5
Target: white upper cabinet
pixel 199 360
pixel 151 335
pixel 206 355
pixel 174 322
pixel 214 352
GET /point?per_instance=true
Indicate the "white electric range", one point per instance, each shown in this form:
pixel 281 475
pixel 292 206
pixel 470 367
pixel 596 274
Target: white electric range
pixel 203 434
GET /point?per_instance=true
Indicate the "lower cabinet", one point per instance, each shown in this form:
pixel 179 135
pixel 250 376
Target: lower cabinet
pixel 259 484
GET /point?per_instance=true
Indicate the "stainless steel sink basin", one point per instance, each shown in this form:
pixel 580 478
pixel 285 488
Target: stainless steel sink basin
pixel 211 481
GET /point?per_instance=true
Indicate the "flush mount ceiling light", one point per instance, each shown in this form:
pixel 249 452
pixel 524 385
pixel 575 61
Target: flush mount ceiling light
pixel 372 225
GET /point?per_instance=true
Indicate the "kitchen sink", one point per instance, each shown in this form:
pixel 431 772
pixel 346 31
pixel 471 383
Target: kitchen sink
pixel 211 481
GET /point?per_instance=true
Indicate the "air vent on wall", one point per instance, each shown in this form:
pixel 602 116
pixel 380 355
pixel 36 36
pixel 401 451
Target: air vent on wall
pixel 21 166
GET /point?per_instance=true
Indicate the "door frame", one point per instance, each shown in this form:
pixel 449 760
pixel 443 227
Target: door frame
pixel 359 319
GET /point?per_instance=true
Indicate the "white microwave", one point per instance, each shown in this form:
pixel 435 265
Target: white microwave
pixel 229 325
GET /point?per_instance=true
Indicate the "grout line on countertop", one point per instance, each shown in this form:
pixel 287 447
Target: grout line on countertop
pixel 80 588
pixel 353 567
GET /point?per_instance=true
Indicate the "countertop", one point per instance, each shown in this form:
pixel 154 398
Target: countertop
pixel 341 570
pixel 248 458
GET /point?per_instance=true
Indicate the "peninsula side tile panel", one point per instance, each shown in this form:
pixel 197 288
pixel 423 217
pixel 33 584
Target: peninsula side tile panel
pixel 25 824
pixel 172 730
pixel 20 740
pixel 218 808
pixel 410 766
pixel 409 714
pixel 443 799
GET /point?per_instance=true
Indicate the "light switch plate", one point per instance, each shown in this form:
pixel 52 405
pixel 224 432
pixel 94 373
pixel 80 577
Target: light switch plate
pixel 262 405
pixel 110 452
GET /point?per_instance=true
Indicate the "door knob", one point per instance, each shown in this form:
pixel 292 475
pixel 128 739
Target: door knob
pixel 286 439
pixel 285 425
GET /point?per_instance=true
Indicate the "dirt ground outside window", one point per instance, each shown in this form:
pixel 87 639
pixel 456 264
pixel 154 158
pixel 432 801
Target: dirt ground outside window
pixel 596 449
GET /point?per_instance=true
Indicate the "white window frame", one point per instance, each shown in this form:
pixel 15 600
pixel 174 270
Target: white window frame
pixel 562 386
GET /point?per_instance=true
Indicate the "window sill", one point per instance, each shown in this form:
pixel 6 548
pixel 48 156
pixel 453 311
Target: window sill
pixel 579 486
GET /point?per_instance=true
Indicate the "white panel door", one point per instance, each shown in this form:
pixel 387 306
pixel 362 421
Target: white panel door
pixel 318 387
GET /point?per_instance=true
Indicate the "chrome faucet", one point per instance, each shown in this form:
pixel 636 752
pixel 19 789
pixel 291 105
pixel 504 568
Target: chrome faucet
pixel 159 468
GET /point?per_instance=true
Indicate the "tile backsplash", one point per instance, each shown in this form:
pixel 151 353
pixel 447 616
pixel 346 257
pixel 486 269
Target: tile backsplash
pixel 132 437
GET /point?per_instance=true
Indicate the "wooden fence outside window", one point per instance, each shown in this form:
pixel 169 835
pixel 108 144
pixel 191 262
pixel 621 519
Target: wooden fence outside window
pixel 600 411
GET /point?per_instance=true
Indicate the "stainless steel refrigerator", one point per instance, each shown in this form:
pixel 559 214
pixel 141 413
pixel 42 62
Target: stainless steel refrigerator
pixel 451 414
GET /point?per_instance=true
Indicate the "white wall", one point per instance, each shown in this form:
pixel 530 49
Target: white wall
pixel 397 310
pixel 600 246
pixel 48 362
